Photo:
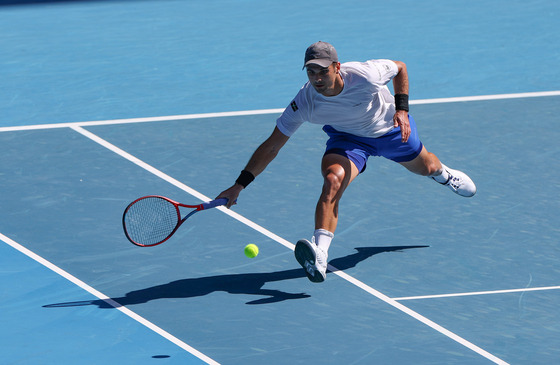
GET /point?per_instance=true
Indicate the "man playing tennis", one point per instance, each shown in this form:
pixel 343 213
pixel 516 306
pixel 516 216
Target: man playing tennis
pixel 362 119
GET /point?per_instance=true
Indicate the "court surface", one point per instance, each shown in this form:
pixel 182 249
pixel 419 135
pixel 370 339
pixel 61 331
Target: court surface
pixel 106 101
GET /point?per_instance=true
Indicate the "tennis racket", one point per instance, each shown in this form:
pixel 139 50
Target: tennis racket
pixel 153 219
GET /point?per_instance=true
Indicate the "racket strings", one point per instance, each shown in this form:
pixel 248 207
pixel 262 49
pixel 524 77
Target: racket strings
pixel 151 220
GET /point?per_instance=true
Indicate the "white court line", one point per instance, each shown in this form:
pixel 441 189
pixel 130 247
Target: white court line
pixel 286 243
pixel 478 293
pixel 141 120
pixel 486 97
pixel 179 184
pixel 107 300
pixel 264 111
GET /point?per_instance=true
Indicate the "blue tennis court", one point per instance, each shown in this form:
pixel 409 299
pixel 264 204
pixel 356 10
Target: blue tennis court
pixel 105 102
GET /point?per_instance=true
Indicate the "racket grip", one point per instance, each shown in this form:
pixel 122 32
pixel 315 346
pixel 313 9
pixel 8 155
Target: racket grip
pixel 214 203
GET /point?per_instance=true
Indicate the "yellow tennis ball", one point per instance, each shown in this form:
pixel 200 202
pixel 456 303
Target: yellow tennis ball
pixel 251 250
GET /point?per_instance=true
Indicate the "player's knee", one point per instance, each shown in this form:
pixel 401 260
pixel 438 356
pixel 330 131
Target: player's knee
pixel 333 180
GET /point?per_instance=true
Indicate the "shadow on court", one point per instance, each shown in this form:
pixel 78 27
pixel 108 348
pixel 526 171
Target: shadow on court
pixel 247 284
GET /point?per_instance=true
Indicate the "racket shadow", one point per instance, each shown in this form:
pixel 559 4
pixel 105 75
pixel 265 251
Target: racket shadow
pixel 245 284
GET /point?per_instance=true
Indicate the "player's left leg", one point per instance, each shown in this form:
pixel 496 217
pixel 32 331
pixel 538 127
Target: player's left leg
pixel 425 164
pixel 414 156
pixel 428 164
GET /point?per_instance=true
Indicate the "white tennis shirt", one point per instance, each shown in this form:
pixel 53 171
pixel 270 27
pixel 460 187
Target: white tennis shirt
pixel 364 108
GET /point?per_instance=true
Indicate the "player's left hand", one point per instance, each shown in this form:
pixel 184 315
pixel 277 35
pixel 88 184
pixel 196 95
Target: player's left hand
pixel 400 119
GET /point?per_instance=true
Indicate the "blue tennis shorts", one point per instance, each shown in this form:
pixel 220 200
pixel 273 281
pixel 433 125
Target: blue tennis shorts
pixel 358 149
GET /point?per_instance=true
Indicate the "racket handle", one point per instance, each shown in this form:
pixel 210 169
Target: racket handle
pixel 214 203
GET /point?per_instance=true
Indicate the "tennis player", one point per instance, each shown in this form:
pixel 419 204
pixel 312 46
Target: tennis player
pixel 361 118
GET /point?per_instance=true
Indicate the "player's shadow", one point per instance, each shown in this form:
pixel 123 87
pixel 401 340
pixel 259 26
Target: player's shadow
pixel 247 284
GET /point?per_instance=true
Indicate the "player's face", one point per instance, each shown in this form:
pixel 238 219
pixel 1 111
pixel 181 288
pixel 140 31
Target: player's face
pixel 324 79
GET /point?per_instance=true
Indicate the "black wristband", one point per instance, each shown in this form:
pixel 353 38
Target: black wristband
pixel 401 102
pixel 245 178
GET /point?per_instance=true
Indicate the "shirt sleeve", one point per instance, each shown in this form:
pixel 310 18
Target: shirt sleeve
pixel 382 71
pixel 294 115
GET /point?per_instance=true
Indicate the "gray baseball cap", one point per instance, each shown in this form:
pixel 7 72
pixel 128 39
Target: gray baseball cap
pixel 320 53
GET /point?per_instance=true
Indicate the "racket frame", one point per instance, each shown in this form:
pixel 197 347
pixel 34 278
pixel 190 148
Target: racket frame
pixel 196 208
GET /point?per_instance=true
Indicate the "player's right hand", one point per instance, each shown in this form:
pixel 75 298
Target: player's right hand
pixel 231 195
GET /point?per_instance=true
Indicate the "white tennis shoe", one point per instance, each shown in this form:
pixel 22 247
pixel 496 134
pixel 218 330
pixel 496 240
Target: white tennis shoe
pixel 459 183
pixel 312 259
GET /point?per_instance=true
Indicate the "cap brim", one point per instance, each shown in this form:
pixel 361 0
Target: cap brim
pixel 319 62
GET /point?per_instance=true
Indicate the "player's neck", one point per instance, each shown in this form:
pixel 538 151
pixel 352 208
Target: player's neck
pixel 337 88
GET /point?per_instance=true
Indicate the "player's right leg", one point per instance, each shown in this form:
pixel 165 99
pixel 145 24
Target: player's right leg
pixel 338 171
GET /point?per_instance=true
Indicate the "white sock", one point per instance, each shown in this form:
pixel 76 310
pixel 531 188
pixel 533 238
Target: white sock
pixel 323 239
pixel 442 176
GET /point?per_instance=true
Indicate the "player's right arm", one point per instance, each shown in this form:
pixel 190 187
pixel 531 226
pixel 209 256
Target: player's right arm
pixel 260 159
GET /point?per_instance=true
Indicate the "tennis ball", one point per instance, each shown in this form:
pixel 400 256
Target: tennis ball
pixel 251 250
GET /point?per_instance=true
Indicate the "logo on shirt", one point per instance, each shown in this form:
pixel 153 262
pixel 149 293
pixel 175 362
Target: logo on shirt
pixel 294 105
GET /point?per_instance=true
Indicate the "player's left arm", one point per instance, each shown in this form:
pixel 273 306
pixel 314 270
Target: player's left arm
pixel 400 86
